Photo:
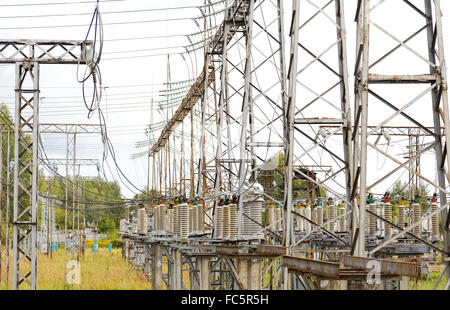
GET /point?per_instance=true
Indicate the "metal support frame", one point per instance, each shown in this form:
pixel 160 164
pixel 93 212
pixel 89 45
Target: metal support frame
pixel 306 107
pixel 27 57
pixel 368 86
pixel 71 131
pixel 25 174
pixel 315 99
pixel 289 115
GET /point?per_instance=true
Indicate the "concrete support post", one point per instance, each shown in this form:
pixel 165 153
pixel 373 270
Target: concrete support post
pixel 404 284
pixel 177 270
pixel 242 267
pixel 254 274
pixel 205 273
pixel 156 267
pixel 170 269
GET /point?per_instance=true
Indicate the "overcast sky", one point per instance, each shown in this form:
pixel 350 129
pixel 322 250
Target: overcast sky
pixel 132 77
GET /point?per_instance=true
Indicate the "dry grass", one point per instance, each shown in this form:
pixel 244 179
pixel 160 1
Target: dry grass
pixel 99 271
pixel 428 284
pixel 103 271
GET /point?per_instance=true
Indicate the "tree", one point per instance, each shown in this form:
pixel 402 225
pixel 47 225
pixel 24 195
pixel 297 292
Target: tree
pixel 299 187
pixel 402 190
pixel 147 195
pixel 105 225
pixel 6 126
pixel 100 201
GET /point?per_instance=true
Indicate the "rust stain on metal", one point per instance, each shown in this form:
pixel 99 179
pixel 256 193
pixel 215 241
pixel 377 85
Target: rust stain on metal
pixel 388 266
pixel 271 250
pixel 316 267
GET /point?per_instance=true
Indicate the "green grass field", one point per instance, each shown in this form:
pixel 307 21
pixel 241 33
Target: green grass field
pixel 105 271
pixel 99 271
pixel 428 284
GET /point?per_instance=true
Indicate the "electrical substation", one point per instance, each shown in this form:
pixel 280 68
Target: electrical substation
pixel 303 146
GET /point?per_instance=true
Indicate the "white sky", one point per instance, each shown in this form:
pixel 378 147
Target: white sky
pixel 128 107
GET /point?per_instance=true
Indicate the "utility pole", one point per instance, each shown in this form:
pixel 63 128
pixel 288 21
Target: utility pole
pixel 74 190
pixel 84 218
pixel 160 170
pixel 8 177
pixel 78 215
pixel 77 163
pixel 192 171
pixel 202 166
pixel 150 137
pixel 71 131
pixel 49 212
pixel 1 199
pixel 168 176
pixel 182 182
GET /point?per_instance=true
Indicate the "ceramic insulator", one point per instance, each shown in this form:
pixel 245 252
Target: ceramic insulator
pixel 308 216
pixel 372 220
pixel 233 221
pixel 200 218
pixel 278 219
pixel 183 215
pixel 342 220
pixel 417 215
pixel 219 222
pixel 435 221
pixel 226 222
pixel 388 217
pixel 301 226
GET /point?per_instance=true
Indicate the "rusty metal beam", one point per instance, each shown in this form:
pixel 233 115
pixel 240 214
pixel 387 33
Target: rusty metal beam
pixel 259 250
pixel 315 267
pixel 274 250
pixel 388 267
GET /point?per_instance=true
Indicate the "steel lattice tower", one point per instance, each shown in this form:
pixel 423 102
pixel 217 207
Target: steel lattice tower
pixel 27 57
pixel 419 78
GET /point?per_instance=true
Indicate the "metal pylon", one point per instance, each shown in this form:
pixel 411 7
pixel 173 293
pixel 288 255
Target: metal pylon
pixel 249 122
pixel 44 224
pixel 420 79
pixel 27 57
pixel 318 95
pixel 25 174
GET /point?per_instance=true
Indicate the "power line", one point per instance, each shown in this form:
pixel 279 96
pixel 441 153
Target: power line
pixel 106 24
pixel 110 24
pixel 57 3
pixel 113 86
pixel 111 12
